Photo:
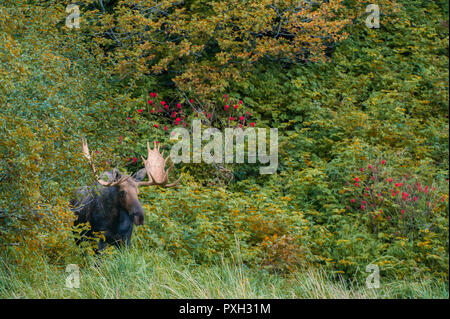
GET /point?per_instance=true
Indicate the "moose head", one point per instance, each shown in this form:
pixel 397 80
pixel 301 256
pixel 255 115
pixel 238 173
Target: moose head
pixel 127 187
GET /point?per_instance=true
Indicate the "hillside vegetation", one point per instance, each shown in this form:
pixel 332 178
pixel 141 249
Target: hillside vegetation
pixel 362 118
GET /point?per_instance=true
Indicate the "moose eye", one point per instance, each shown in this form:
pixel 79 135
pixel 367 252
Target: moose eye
pixel 122 194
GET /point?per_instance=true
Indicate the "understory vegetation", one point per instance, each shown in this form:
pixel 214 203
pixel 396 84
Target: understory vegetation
pixel 362 119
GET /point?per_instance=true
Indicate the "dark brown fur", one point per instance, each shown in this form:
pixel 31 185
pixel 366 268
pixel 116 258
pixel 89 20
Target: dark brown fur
pixel 111 210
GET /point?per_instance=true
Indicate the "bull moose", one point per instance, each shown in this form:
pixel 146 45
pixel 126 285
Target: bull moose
pixel 112 207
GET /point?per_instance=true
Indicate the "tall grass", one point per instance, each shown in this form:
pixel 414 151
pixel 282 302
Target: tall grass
pixel 140 273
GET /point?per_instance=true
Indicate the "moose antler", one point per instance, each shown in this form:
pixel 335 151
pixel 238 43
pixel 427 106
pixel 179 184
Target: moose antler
pixel 154 166
pixel 87 154
pixel 85 149
pixel 122 179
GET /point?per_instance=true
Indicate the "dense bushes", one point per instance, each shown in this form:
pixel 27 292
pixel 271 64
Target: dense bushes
pixel 202 224
pixel 380 99
pixel 52 94
pixel 205 46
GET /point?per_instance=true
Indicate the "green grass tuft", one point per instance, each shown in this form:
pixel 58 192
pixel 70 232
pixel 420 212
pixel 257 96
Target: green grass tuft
pixel 139 273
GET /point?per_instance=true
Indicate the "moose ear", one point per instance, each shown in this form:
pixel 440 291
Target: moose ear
pixel 115 174
pixel 140 175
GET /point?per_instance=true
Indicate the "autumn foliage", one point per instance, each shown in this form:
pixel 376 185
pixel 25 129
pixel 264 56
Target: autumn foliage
pixel 205 46
pixel 362 116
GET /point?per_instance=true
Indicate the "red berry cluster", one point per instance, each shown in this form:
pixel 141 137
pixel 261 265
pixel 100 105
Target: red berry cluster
pixel 232 113
pixel 400 200
pixel 177 114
